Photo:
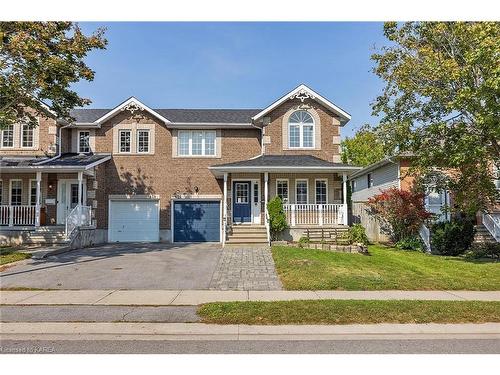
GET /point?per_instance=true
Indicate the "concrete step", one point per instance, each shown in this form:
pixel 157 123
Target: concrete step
pixel 241 241
pixel 248 228
pixel 248 237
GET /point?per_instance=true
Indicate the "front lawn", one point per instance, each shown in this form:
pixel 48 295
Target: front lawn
pixel 9 255
pixel 349 312
pixel 385 268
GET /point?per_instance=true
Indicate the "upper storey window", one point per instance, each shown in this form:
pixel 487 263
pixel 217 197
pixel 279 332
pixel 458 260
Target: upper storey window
pixel 26 135
pixel 196 143
pixel 84 141
pixel 301 130
pixel 8 136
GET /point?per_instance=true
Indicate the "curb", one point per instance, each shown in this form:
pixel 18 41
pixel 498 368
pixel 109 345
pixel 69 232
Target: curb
pixel 200 331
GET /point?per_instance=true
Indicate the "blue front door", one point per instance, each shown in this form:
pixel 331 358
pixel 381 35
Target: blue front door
pixel 242 205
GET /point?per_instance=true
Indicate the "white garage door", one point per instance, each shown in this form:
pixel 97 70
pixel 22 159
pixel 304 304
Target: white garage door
pixel 134 221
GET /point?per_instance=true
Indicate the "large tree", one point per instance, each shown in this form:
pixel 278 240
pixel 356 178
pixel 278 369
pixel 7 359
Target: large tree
pixel 363 148
pixel 441 99
pixel 39 61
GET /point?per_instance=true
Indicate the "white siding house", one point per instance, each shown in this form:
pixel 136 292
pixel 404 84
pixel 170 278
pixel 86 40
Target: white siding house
pixel 384 177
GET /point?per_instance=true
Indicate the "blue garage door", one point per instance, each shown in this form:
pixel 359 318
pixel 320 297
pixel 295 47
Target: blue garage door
pixel 196 221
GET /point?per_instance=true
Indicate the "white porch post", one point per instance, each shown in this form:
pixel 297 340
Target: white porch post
pixel 38 198
pixel 224 215
pixel 344 196
pixel 266 192
pixel 80 197
pixel 80 188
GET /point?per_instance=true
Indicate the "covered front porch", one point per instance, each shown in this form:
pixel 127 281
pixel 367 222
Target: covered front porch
pixel 46 193
pixel 313 191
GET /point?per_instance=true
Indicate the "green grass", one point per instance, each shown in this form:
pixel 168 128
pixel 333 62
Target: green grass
pixel 349 312
pixel 385 268
pixel 9 255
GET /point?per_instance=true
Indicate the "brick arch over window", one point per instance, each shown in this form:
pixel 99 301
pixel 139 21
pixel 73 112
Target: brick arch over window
pixel 317 127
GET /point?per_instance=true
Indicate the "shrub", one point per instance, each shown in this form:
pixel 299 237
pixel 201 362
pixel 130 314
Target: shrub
pixel 410 243
pixel 484 250
pixel 304 241
pixel 403 211
pixel 277 217
pixel 357 234
pixel 452 238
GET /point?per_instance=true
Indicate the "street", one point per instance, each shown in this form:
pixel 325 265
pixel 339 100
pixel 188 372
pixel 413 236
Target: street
pixel 436 346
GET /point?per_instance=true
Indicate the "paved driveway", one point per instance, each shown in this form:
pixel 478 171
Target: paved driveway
pixel 120 266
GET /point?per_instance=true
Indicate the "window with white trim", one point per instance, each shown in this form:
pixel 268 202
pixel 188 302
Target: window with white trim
pixel 301 192
pixel 301 130
pixel 83 141
pixel 321 191
pixel 496 176
pixel 241 193
pixel 196 143
pixel 16 192
pixel 369 180
pixel 8 136
pixel 143 141
pixel 124 139
pixel 27 135
pixel 32 192
pixel 282 190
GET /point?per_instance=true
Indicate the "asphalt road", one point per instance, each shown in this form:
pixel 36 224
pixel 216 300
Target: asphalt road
pixel 254 347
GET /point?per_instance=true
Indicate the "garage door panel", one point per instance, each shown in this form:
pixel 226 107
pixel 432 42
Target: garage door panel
pixel 196 221
pixel 134 221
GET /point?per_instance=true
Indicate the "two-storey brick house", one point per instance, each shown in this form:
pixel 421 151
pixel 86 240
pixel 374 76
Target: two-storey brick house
pixel 133 173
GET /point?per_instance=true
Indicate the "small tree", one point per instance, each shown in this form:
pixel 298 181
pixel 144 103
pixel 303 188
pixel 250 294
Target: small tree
pixel 403 211
pixel 363 148
pixel 277 217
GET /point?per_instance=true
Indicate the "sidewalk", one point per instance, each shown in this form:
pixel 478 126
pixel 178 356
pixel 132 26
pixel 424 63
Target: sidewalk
pixel 196 297
pixel 198 331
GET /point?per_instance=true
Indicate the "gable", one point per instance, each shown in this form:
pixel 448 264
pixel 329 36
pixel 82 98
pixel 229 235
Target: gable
pixel 303 93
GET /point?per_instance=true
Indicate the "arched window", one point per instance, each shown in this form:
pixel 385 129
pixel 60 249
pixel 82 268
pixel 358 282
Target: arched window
pixel 301 130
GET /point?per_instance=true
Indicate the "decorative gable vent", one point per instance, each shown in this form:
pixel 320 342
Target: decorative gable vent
pixel 132 107
pixel 302 95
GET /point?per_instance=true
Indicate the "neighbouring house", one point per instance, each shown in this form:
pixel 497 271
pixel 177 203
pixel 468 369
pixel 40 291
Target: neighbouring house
pixel 394 172
pixel 134 173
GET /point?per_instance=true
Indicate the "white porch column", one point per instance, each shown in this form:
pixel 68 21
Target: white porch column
pixel 266 193
pixel 224 215
pixel 344 196
pixel 80 188
pixel 38 198
pixel 80 197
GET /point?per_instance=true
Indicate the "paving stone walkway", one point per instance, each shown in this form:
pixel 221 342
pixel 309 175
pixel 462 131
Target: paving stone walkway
pixel 245 268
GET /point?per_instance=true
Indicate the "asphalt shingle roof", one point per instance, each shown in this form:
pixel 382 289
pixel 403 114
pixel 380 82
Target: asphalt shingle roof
pixel 284 161
pixel 219 116
pixel 66 160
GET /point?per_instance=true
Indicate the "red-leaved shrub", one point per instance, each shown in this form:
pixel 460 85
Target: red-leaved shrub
pixel 402 211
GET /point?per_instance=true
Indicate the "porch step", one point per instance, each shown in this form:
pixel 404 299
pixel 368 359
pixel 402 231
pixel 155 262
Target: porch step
pixel 247 234
pixel 46 236
pixel 483 235
pixel 242 241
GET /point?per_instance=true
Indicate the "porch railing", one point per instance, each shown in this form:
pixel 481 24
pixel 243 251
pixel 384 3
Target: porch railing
pixel 315 214
pixel 492 223
pixel 78 217
pixel 425 235
pixel 17 215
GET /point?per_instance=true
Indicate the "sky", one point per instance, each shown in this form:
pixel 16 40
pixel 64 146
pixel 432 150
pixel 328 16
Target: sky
pixel 235 65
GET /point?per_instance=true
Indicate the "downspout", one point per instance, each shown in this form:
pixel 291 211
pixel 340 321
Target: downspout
pixel 59 147
pixel 261 137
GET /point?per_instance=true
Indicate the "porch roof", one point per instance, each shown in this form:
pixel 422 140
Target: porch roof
pixel 283 163
pixel 68 162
